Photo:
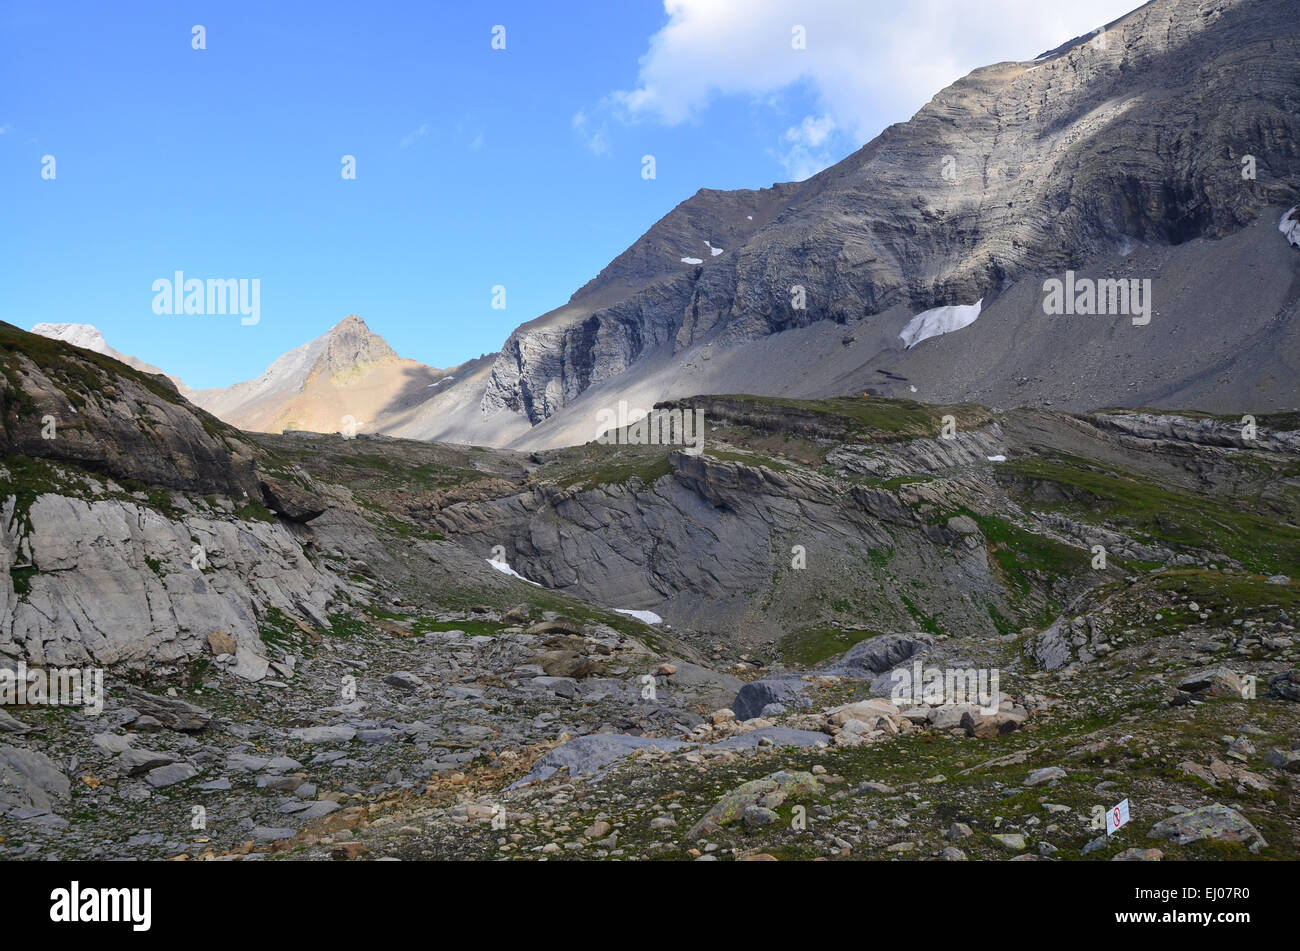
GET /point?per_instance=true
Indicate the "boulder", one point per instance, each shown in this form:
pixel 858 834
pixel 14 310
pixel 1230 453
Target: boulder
pixel 220 642
pixel 291 501
pixel 170 712
pixel 31 779
pixel 1212 681
pixel 1217 821
pixel 769 793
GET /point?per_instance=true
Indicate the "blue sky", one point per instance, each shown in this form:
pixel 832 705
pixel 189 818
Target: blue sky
pixel 475 167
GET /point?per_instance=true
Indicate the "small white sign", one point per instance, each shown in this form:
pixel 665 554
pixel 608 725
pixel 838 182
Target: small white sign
pixel 1116 818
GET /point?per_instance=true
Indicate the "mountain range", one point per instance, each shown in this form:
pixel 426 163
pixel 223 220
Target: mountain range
pixel 1163 149
pixel 939 447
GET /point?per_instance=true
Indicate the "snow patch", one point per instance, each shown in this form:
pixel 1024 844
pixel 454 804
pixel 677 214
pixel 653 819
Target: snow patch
pixel 645 617
pixel 505 569
pixel 997 458
pixel 716 251
pixel 1290 226
pixel 940 320
pixel 692 261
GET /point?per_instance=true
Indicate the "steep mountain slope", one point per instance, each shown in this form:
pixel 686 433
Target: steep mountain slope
pixel 1109 155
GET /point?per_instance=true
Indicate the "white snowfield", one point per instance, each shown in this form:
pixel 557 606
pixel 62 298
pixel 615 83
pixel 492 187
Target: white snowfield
pixel 997 458
pixel 716 251
pixel 646 617
pixel 692 261
pixel 1290 226
pixel 940 320
pixel 505 569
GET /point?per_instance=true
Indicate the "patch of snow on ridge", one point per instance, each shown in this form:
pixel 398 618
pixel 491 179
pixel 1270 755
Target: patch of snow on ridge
pixel 505 569
pixel 692 261
pixel 716 251
pixel 997 458
pixel 940 320
pixel 1290 226
pixel 645 617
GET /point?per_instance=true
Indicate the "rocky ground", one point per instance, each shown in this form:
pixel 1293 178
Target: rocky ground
pixel 344 674
pixel 491 736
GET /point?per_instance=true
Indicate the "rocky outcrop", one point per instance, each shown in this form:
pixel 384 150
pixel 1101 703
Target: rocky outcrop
pixel 920 456
pixel 709 545
pixel 72 405
pixel 113 583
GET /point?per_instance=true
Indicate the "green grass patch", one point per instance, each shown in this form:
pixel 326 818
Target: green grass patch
pixel 811 646
pixel 1161 514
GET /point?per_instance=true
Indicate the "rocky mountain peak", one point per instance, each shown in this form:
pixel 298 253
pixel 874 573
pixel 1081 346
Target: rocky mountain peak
pixel 350 346
pixel 79 335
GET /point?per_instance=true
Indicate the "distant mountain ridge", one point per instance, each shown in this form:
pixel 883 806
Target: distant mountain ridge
pixel 1121 156
pixel 88 337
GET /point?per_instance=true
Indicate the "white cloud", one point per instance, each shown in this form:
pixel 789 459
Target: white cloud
pixel 596 140
pixel 806 150
pixel 419 133
pixel 867 63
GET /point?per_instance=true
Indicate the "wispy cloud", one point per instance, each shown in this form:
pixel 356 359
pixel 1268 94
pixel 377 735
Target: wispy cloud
pixel 418 133
pixel 597 140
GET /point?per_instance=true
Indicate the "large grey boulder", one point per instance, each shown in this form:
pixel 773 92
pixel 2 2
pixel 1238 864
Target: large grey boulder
pixel 877 655
pixel 866 659
pixel 171 712
pixel 1215 821
pixel 31 779
pixel 785 689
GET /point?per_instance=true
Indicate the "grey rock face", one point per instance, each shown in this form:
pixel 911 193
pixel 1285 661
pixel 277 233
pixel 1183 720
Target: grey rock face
pixel 1052 646
pixel 30 779
pixel 1048 163
pixel 114 584
pixel 638 538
